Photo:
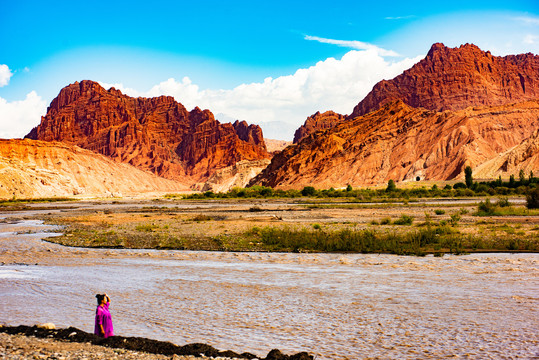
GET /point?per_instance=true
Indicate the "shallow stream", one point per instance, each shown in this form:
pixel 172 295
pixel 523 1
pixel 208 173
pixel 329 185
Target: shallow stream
pixel 335 306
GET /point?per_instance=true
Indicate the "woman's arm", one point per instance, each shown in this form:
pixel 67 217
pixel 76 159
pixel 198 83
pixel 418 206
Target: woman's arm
pixel 107 298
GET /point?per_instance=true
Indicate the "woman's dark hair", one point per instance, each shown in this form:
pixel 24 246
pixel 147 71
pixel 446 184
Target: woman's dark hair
pixel 100 298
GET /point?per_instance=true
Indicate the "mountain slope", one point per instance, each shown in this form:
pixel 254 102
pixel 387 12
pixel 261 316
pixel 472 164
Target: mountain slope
pixel 400 142
pixel 33 169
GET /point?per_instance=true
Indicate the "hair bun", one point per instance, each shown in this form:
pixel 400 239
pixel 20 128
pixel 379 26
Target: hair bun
pixel 98 295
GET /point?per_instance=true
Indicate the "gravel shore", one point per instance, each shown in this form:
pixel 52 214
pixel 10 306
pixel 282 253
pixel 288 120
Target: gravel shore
pixel 15 347
pixel 47 342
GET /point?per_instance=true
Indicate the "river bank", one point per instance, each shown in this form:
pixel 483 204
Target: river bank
pixel 71 343
pixel 433 226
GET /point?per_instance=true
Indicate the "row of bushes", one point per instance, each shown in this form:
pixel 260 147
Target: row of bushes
pixel 427 239
pixel 391 192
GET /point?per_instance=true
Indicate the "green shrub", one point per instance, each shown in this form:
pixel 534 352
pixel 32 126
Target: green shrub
pixel 201 217
pixel 532 199
pixel 385 221
pixel 503 202
pixel 439 212
pixel 308 191
pixel 459 185
pixel 146 227
pixel 455 218
pixel 486 208
pixel 404 220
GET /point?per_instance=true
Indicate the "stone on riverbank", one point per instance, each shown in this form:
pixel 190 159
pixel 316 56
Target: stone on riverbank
pixel 139 344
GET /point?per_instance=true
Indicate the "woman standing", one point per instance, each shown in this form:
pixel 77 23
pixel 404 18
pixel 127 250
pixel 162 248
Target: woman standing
pixel 103 320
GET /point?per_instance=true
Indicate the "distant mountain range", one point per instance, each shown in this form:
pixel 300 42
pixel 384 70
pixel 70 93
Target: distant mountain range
pixel 456 107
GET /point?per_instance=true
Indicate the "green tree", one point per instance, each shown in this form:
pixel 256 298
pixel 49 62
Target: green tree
pixel 391 186
pixel 308 191
pixel 532 199
pixel 532 178
pixel 349 188
pixel 512 180
pixel 521 177
pixel 468 176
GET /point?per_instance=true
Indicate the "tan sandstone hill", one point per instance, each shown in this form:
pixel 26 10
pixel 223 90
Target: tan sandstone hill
pixel 154 134
pixel 400 142
pixel 36 169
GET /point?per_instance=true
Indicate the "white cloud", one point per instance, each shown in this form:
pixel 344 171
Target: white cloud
pixel 5 75
pixel 332 84
pixel 530 39
pixel 530 20
pixel 399 17
pixel 352 44
pixel 17 118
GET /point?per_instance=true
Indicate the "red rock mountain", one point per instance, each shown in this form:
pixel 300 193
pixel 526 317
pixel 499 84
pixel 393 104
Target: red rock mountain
pixel 317 122
pixel 154 134
pixel 455 78
pixel 400 142
pixel 398 132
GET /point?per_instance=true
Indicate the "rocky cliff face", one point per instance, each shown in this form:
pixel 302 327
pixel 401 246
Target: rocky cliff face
pixel 403 143
pixel 154 134
pixel 317 122
pixel 36 169
pixel 455 78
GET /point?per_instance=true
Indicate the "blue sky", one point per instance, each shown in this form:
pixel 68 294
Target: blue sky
pixel 267 62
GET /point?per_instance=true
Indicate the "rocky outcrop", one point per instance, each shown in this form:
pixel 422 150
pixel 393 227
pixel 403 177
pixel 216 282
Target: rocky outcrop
pixel 402 143
pixel 274 146
pixel 524 156
pixel 317 122
pixel 237 175
pixel 455 78
pixel 154 134
pixel 37 169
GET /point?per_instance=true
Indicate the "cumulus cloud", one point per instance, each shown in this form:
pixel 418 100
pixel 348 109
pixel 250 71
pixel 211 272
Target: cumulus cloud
pixel 332 84
pixel 17 118
pixel 5 75
pixel 352 44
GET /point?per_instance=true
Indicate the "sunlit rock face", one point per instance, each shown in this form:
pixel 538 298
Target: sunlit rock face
pixel 154 134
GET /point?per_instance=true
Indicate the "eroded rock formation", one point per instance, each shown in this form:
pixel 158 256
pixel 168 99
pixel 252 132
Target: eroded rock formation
pixel 154 134
pixel 317 122
pixel 402 143
pixel 455 78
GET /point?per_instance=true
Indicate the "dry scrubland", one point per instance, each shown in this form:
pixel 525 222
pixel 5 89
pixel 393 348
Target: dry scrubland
pixel 303 225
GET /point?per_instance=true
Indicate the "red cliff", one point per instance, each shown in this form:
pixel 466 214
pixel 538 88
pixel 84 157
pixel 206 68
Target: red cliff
pixel 155 134
pixel 317 122
pixel 455 78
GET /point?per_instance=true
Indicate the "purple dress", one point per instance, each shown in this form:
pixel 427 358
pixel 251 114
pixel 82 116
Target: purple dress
pixel 102 317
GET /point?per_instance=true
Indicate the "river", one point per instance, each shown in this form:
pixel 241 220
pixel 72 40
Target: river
pixel 335 306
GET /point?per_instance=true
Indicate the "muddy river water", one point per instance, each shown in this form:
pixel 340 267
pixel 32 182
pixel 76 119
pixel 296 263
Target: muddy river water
pixel 335 306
